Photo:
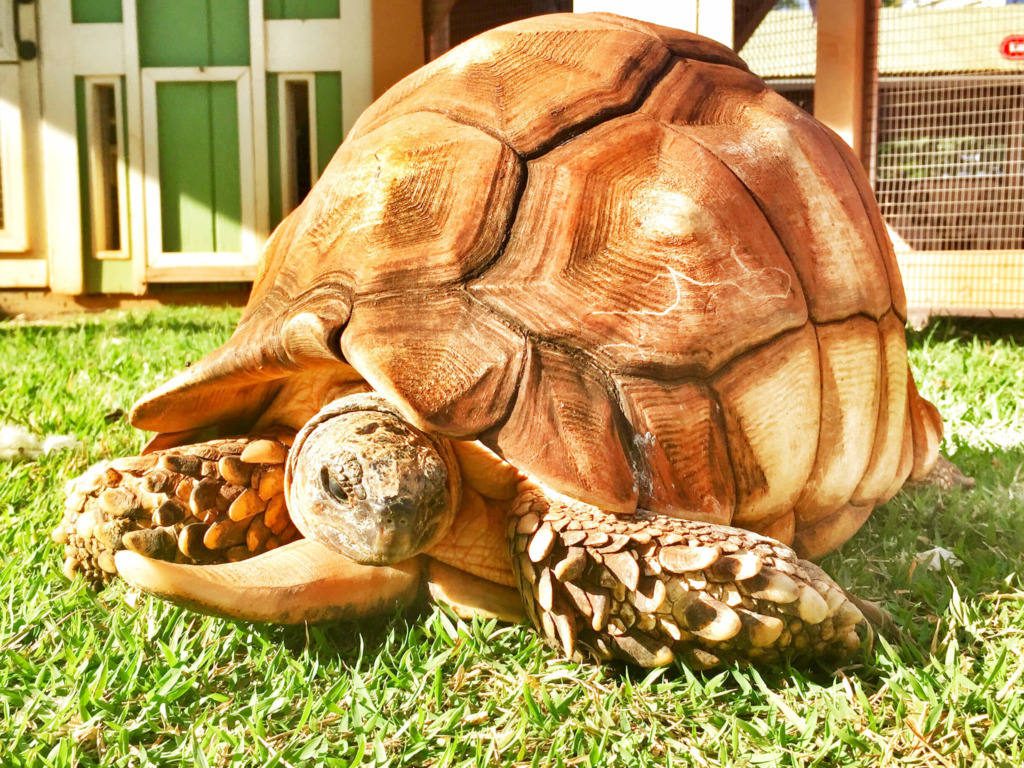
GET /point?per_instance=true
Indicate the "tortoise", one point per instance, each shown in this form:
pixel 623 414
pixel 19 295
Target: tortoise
pixel 582 322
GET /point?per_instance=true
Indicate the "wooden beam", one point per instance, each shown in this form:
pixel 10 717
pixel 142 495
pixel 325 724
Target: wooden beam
pixel 23 273
pixel 978 283
pixel 839 81
pixel 397 41
pixel 744 26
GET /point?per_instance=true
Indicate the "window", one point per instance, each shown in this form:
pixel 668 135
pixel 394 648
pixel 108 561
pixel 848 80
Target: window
pixel 107 171
pixel 297 99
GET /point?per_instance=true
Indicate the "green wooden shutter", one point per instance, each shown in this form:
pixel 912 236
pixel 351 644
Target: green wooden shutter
pixel 193 33
pixel 200 188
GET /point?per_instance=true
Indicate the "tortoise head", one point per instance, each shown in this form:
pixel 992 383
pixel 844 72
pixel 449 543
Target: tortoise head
pixel 364 482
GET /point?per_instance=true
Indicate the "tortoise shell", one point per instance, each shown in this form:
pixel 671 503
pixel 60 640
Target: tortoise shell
pixel 606 250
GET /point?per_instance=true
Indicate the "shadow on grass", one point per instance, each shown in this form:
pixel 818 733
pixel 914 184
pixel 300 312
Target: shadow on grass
pixel 220 324
pixel 347 640
pixel 984 329
pixel 889 560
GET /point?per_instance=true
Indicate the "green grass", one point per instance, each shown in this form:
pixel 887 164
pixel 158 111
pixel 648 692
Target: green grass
pixel 119 679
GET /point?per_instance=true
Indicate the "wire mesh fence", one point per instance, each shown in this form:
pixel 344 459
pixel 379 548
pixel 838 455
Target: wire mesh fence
pixel 783 49
pixel 949 142
pixel 947 155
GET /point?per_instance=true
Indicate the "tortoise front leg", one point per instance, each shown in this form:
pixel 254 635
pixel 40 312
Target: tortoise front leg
pixel 206 526
pixel 649 588
pixel 219 501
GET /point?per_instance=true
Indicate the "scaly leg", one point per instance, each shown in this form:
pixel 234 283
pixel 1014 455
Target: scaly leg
pixel 219 501
pixel 178 522
pixel 648 588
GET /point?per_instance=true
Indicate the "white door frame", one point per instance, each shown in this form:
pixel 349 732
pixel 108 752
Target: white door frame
pixel 14 234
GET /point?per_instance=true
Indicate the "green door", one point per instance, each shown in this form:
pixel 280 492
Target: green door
pixel 241 105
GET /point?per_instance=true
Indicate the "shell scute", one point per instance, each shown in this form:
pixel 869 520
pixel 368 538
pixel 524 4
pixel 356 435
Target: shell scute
pixel 850 382
pixel 636 245
pixel 884 466
pixel 772 446
pixel 779 153
pixel 453 365
pixel 679 439
pixel 531 82
pixel 885 246
pixel 566 429
pixel 421 202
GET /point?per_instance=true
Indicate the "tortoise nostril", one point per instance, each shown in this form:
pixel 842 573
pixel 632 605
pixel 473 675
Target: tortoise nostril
pixel 395 522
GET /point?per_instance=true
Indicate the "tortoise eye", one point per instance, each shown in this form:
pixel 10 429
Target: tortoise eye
pixel 332 486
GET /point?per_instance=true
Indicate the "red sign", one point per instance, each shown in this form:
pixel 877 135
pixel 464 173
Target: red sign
pixel 1012 47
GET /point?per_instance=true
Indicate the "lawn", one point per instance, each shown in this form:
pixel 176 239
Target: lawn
pixel 119 679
